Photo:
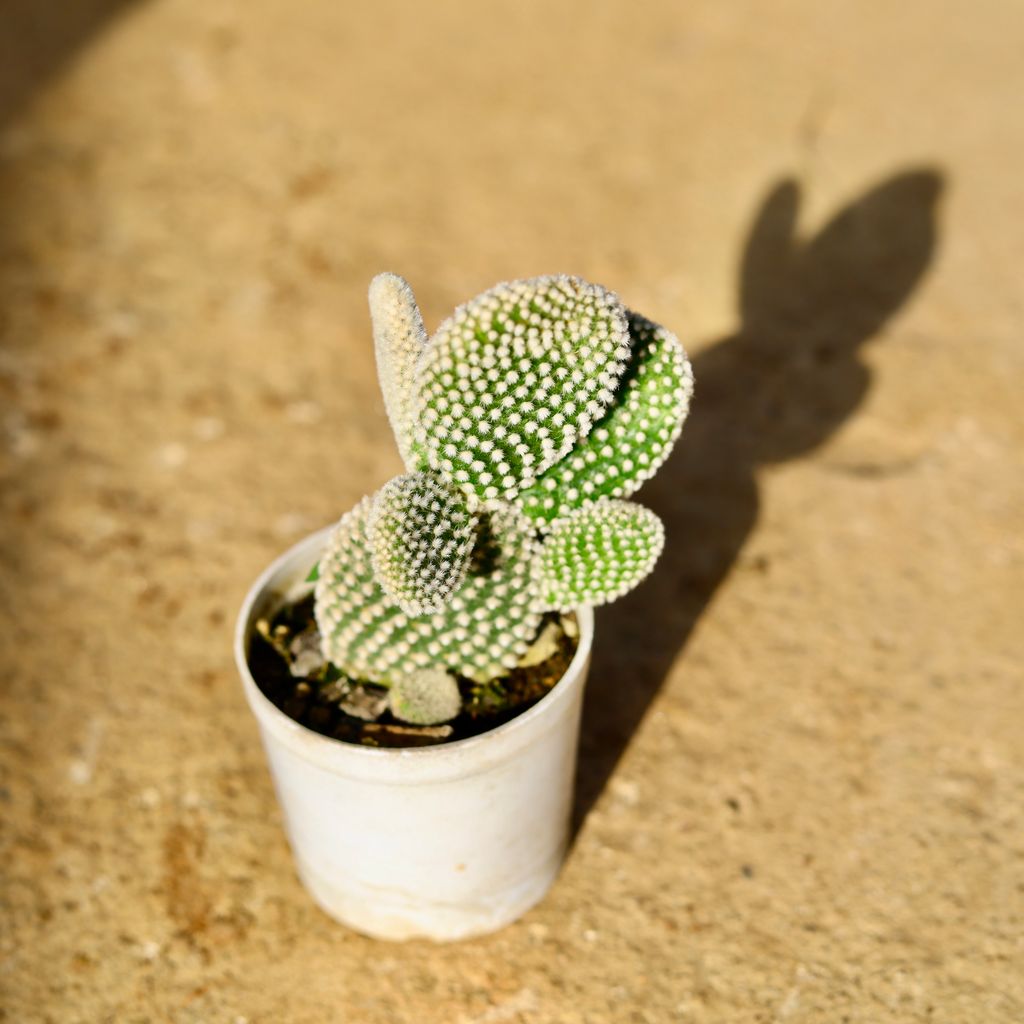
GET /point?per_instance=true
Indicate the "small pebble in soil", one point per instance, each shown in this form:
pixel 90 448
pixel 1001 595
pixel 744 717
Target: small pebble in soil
pixel 307 658
pixel 364 701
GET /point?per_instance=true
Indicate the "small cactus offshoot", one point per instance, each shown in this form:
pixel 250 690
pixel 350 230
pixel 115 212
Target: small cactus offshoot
pixel 524 422
pixel 427 697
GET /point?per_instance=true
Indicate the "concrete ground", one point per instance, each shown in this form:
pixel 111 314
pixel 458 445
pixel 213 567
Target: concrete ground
pixel 802 787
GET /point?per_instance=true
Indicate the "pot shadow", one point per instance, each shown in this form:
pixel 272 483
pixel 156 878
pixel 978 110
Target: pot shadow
pixel 775 390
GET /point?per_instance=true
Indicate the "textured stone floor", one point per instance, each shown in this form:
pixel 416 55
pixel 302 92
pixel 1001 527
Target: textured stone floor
pixel 802 786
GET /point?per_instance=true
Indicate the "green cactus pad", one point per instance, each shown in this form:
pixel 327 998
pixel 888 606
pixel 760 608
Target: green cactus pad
pixel 598 553
pixel 421 536
pixel 427 697
pixel 514 378
pixel 399 339
pixel 634 437
pixel 489 622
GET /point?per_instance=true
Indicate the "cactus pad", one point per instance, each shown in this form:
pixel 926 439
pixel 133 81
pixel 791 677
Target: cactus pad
pixel 510 382
pixel 598 553
pixel 399 338
pixel 421 536
pixel 634 437
pixel 489 622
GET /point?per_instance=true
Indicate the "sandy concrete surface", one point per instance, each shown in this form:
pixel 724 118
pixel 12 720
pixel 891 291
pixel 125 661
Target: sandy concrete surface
pixel 802 786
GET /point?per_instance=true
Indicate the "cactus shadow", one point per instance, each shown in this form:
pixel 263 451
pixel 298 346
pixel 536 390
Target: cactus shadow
pixel 773 391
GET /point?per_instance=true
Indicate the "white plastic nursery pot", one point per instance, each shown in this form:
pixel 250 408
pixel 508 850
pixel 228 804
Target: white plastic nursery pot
pixel 440 842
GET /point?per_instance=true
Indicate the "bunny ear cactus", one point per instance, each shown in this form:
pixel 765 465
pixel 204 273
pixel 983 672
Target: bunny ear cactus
pixel 523 422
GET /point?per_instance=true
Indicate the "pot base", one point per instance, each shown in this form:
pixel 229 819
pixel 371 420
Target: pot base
pixel 384 913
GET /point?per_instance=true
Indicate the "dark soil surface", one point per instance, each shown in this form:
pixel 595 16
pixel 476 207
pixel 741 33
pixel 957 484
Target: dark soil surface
pixel 354 711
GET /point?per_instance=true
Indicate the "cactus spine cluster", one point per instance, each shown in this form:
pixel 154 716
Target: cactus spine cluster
pixel 523 423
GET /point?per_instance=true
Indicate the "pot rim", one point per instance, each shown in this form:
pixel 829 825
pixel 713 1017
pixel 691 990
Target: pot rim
pixel 331 752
